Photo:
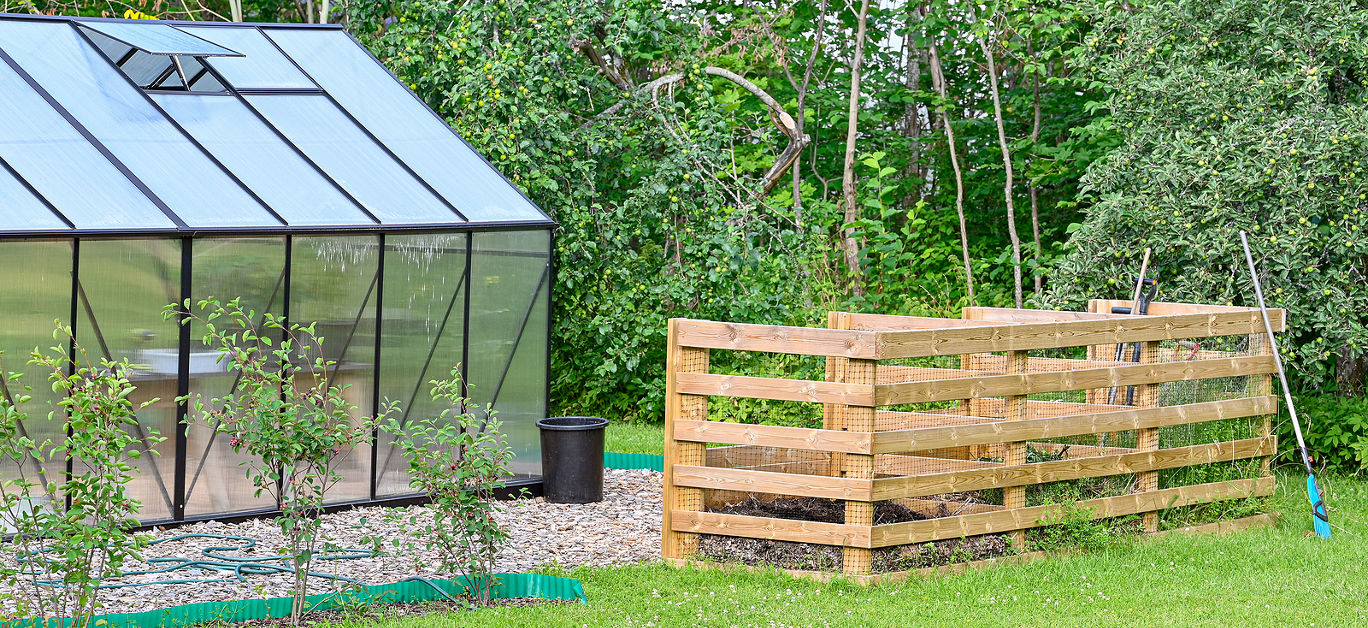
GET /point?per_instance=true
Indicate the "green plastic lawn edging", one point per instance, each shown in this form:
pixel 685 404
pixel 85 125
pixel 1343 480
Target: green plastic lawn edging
pixel 615 460
pixel 508 586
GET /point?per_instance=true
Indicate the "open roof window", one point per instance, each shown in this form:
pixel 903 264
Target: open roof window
pixel 158 58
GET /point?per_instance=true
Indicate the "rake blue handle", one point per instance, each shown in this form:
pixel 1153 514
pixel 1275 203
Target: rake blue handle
pixel 1320 519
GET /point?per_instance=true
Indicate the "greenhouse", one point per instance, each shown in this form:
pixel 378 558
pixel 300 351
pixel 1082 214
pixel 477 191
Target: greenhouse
pixel 148 162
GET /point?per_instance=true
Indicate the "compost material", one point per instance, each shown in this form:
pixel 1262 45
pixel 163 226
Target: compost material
pixel 816 557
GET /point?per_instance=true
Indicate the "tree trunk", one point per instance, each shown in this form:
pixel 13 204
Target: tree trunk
pixel 1007 164
pixel 938 83
pixel 1035 191
pixel 849 200
pixel 801 115
pixel 912 119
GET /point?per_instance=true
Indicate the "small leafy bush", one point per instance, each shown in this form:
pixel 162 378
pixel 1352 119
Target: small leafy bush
pixel 1336 432
pixel 286 414
pixel 71 532
pixel 458 458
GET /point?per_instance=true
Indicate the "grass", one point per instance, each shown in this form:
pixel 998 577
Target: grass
pixel 634 438
pixel 1262 577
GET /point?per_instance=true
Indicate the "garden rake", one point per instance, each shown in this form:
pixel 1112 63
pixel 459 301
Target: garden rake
pixel 1320 518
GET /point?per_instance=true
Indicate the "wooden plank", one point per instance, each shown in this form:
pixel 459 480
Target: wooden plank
pixel 1166 308
pixel 895 373
pixel 1054 335
pixel 892 464
pixel 1080 451
pixel 1030 517
pixel 893 322
pixel 998 364
pixel 889 420
pixel 771 528
pixel 933 508
pixel 776 389
pixel 748 480
pixel 774 338
pixel 1014 315
pixel 1029 383
pixel 748 455
pixel 1147 439
pixel 1225 526
pixel 1067 469
pixel 774 436
pixel 858 418
pixel 680 407
pixel 1072 425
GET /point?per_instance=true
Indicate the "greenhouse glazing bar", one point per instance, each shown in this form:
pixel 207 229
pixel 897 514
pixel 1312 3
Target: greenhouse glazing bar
pixel 187 475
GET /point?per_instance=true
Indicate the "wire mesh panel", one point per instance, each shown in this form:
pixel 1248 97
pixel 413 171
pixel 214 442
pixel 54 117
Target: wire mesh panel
pixel 932 432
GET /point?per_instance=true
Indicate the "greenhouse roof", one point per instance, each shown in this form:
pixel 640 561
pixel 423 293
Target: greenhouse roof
pixel 137 126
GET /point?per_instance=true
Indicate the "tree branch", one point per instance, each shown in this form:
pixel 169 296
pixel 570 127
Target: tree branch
pixel 787 125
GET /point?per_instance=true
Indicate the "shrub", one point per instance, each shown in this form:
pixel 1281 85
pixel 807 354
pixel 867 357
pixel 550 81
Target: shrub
pixel 286 414
pixel 458 458
pixel 71 531
pixel 1233 115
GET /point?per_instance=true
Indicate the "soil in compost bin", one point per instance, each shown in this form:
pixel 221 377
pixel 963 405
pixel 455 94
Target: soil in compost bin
pixel 391 611
pixel 817 557
pixel 816 509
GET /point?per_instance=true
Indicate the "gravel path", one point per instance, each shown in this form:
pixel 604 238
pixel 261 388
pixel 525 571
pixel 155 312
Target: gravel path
pixel 623 528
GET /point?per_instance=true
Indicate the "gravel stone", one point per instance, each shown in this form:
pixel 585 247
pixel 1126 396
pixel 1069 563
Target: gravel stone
pixel 623 528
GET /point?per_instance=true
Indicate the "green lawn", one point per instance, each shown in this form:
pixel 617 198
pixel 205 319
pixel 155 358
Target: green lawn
pixel 1264 577
pixel 634 438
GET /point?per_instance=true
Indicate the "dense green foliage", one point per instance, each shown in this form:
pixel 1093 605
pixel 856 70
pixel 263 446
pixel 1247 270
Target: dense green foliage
pixel 1235 115
pixel 1191 119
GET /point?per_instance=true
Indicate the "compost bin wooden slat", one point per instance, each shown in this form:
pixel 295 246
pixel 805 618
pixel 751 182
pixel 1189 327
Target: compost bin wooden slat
pixel 1029 383
pixel 771 528
pixel 1068 469
pixel 1054 335
pixel 750 480
pixel 774 338
pixel 776 389
pixel 1030 517
pixel 774 436
pixel 1071 425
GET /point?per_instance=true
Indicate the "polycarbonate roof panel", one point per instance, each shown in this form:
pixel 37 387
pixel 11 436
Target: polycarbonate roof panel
pixel 263 67
pixel 123 119
pixel 245 145
pixel 20 209
pixel 326 136
pixel 404 124
pixel 159 39
pixel 65 168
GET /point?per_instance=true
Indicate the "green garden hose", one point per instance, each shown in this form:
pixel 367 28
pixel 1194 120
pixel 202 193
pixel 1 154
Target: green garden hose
pixel 215 561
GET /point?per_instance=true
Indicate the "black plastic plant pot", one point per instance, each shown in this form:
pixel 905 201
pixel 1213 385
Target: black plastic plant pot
pixel 572 459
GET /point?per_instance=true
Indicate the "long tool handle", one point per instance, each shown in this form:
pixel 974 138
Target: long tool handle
pixel 1135 309
pixel 1321 520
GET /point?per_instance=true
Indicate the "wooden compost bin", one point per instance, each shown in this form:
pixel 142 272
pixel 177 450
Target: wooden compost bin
pixel 922 411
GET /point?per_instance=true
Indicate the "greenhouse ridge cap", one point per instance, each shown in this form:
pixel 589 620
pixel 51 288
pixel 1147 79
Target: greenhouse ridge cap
pixel 306 131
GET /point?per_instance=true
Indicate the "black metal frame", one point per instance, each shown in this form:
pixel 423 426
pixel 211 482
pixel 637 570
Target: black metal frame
pixel 179 492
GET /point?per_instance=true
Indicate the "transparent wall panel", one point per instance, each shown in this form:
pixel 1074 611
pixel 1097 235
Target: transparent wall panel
pixel 31 301
pixel 252 269
pixel 333 283
pixel 509 299
pixel 78 76
pixel 384 106
pixel 351 158
pixel 422 336
pixel 244 144
pixel 263 67
pixel 123 286
pixel 62 166
pixel 20 209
